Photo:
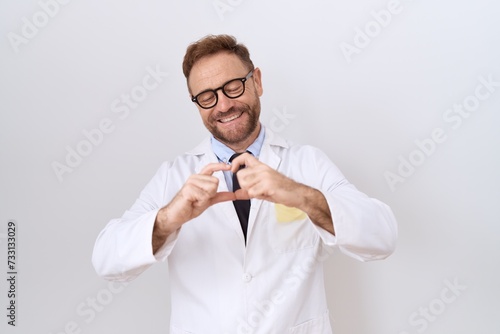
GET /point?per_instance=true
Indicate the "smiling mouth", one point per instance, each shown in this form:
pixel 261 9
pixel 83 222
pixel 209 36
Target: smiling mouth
pixel 230 118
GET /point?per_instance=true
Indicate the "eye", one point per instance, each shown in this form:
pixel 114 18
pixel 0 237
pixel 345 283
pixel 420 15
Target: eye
pixel 233 87
pixel 206 98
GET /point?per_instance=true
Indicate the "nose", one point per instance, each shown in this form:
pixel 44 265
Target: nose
pixel 224 103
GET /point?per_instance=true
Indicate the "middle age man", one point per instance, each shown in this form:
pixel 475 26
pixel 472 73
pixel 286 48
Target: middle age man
pixel 230 273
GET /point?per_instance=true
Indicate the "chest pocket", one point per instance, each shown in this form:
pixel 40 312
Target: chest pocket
pixel 319 325
pixel 290 229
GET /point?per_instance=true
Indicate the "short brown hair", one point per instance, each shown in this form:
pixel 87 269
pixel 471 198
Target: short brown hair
pixel 212 44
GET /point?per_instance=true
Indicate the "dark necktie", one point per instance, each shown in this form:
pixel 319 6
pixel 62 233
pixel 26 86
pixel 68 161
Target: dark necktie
pixel 242 206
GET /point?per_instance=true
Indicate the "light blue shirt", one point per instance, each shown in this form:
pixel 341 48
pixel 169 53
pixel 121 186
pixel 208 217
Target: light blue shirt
pixel 224 153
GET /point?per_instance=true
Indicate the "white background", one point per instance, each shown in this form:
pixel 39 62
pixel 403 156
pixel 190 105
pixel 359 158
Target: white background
pixel 366 110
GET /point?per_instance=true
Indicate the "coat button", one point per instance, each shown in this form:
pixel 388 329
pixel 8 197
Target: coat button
pixel 247 277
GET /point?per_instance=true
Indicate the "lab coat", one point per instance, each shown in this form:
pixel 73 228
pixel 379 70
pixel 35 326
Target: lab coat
pixel 275 283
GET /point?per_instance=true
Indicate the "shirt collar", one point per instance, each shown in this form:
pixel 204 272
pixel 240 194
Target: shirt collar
pixel 223 152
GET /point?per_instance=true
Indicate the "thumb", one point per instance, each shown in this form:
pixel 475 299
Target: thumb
pixel 241 194
pixel 223 196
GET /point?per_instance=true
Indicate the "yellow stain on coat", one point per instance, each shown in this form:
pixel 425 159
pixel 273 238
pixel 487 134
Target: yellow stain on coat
pixel 285 214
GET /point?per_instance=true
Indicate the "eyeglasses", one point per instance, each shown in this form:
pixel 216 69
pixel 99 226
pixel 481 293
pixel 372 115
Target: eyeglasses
pixel 232 89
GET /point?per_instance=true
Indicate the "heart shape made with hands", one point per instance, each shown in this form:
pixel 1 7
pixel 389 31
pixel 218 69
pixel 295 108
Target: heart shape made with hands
pixel 245 159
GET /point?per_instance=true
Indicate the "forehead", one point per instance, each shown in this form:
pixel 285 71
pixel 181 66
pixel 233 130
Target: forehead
pixel 215 70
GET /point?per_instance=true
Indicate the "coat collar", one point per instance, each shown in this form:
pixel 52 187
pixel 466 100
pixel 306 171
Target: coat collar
pixel 204 148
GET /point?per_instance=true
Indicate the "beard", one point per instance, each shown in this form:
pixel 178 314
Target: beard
pixel 243 131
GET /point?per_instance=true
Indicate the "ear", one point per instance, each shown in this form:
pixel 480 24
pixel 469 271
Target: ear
pixel 257 78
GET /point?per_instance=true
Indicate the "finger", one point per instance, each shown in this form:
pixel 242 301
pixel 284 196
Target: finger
pixel 250 177
pixel 200 188
pixel 260 183
pixel 207 182
pixel 223 196
pixel 214 167
pixel 241 194
pixel 245 159
pixel 198 193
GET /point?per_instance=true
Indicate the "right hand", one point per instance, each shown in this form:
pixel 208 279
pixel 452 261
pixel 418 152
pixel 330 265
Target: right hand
pixel 198 193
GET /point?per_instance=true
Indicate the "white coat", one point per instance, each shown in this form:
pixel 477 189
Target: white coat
pixel 274 284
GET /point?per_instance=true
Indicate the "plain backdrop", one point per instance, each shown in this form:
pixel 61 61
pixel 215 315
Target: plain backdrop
pixel 395 92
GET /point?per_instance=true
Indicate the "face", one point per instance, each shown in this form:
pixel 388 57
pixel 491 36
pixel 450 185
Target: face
pixel 235 122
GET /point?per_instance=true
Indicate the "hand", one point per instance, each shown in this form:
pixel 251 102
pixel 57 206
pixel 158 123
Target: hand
pixel 258 180
pixel 198 193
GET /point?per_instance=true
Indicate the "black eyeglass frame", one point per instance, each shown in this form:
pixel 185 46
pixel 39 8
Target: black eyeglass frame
pixel 243 81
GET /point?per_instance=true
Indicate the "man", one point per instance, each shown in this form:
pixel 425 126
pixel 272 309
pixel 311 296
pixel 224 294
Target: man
pixel 229 272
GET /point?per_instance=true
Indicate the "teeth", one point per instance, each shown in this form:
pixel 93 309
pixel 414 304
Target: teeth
pixel 225 120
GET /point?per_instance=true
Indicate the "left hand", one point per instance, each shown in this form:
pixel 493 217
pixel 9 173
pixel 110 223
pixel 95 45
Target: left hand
pixel 258 180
